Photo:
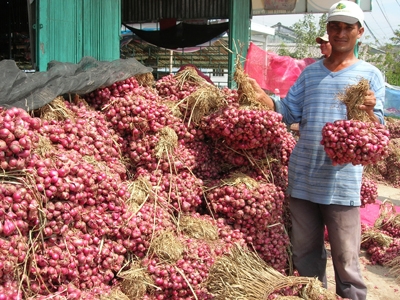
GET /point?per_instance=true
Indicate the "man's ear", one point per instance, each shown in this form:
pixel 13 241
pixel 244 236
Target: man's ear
pixel 360 31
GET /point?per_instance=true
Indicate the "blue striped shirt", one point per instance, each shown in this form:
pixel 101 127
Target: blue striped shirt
pixel 312 102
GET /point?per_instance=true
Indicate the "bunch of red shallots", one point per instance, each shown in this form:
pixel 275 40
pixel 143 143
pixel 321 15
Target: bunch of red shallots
pixel 357 140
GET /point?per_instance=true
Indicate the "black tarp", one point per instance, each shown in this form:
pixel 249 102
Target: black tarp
pixel 32 91
pixel 181 35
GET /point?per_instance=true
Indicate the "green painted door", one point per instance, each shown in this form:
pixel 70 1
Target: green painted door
pixel 101 31
pixel 66 31
pixel 58 31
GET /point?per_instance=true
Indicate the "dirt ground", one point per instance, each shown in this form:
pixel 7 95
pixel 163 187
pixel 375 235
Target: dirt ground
pixel 380 283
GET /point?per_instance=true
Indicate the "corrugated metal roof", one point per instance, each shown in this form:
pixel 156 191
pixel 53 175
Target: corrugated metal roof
pixel 139 11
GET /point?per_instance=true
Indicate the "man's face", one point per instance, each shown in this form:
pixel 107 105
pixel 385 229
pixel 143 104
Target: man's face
pixel 343 36
pixel 326 48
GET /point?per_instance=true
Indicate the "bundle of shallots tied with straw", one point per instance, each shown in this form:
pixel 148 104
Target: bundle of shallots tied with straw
pixel 357 140
pixel 139 192
pixel 136 281
pixel 250 125
pixel 247 93
pixel 256 208
pixel 205 100
pixel 56 110
pixel 374 236
pixel 176 266
pixel 167 143
pixel 199 228
pixel 369 191
pixel 394 266
pixel 189 74
pixel 115 294
pixel 241 274
pixel 167 246
pixel 146 79
pixel 382 242
pixel 245 127
pixel 387 215
pixel 388 170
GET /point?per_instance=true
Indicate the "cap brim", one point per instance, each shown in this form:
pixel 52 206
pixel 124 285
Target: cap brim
pixel 320 39
pixel 344 19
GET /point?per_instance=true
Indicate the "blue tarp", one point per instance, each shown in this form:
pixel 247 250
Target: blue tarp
pixel 392 101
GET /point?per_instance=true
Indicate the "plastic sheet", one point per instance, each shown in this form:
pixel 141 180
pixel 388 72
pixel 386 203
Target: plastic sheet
pixel 370 212
pixel 392 101
pixel 272 71
pixel 32 91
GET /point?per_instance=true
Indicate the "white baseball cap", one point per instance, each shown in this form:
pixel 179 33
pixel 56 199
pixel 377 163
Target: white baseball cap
pixel 324 38
pixel 347 12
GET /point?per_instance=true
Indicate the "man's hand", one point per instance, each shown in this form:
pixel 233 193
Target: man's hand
pixel 369 104
pixel 261 96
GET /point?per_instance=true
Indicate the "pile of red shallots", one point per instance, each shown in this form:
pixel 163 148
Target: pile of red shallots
pixel 393 125
pixel 135 190
pixel 369 191
pixel 357 140
pixel 387 171
pixel 251 207
pixel 382 240
pixel 88 186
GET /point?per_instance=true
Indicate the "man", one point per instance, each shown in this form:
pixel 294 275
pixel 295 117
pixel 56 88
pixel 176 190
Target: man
pixel 326 50
pixel 324 45
pixel 321 194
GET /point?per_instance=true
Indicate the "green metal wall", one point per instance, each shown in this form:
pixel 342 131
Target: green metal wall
pixel 239 35
pixel 66 31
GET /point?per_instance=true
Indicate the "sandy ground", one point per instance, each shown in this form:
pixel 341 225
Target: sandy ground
pixel 380 283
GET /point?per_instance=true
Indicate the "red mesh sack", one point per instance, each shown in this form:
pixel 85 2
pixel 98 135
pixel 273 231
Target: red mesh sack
pixel 272 71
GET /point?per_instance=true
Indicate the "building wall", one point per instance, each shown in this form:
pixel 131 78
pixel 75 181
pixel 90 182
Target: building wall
pixel 66 31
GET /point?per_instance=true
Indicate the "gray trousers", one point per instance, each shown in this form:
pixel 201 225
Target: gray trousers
pixel 309 253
